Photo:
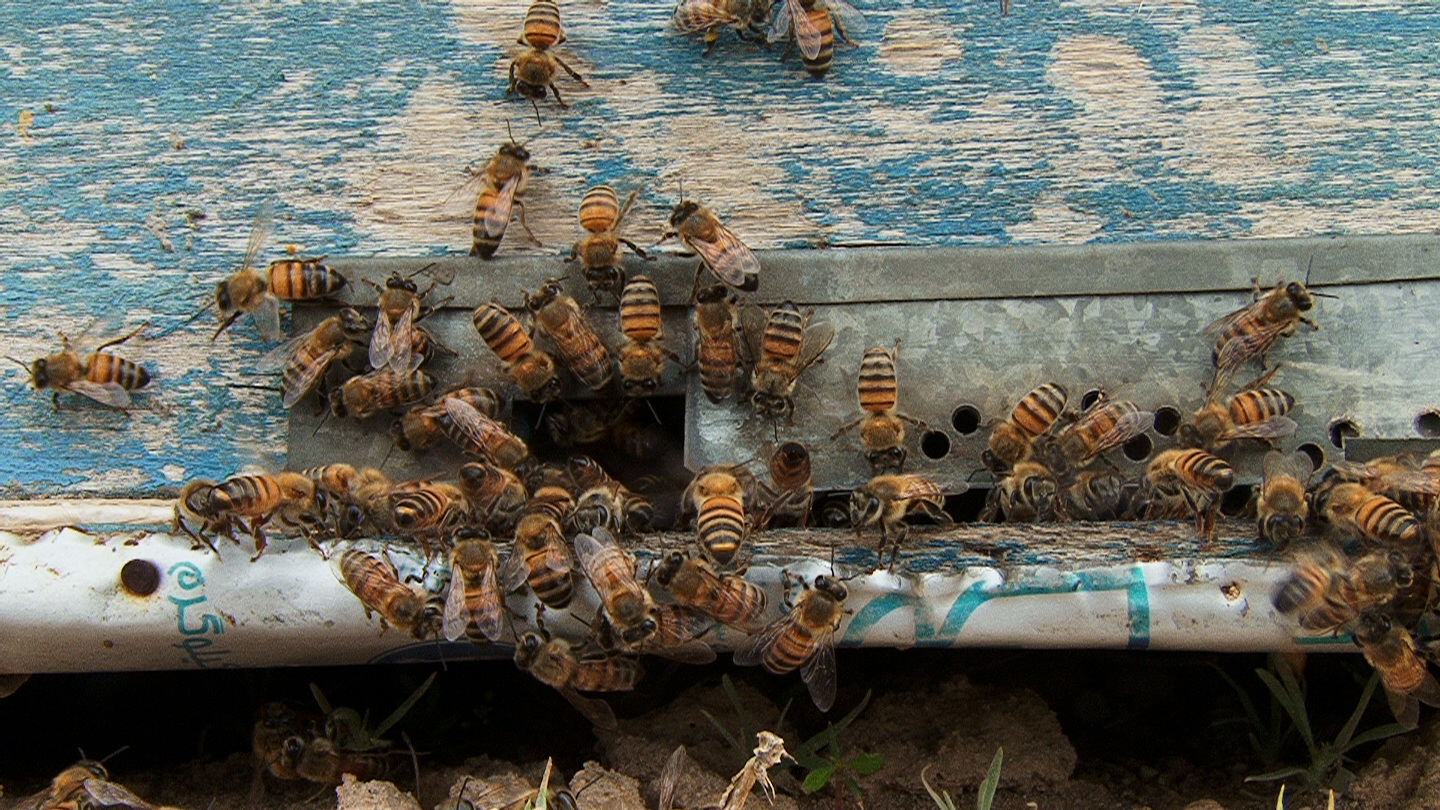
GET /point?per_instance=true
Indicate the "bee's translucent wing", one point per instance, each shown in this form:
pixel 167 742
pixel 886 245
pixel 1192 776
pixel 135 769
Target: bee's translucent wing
pixel 728 258
pixel 1297 465
pixel 455 618
pixel 1276 427
pixel 497 215
pixel 267 318
pixel 817 339
pixel 491 618
pixel 752 650
pixel 819 672
pixel 259 232
pixel 110 393
pixel 309 376
pixel 595 710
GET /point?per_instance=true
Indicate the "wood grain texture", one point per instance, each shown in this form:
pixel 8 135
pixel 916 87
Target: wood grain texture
pixel 140 138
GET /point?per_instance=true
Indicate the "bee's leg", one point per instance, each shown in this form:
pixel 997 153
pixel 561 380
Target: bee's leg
pixel 521 205
pixel 846 428
pixel 136 331
pixel 841 32
pixel 558 100
pixel 711 37
pixel 576 76
pixel 642 254
pixel 257 532
pixel 55 400
pixel 1313 325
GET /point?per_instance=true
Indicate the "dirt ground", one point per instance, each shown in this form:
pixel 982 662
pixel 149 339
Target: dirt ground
pixel 1079 732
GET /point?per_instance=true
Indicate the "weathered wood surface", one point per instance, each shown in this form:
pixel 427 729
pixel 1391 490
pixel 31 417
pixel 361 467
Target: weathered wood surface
pixel 143 137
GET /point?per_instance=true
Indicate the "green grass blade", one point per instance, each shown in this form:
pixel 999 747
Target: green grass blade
pixel 1342 740
pixel 746 731
pixel 811 747
pixel 724 732
pixel 1293 707
pixel 404 707
pixel 1297 693
pixel 988 787
pixel 1377 733
pixel 942 799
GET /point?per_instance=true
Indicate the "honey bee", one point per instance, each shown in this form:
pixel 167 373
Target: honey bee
pixel 106 378
pixel 532 370
pixel 605 502
pixel 717 498
pixel 1282 509
pixel 1102 427
pixel 532 72
pixel 718 350
pixel 261 498
pixel 814 24
pixel 676 635
pixel 431 506
pixel 334 479
pixel 84 785
pixel 1401 478
pixel 1252 330
pixel 1095 495
pixel 728 598
pixel 542 26
pixel 305 358
pixel 485 436
pixel 374 582
pixel 552 662
pixel 1327 593
pixel 474 606
pixel 793 489
pixel 421 427
pixel 559 318
pixel 1254 413
pixel 1391 650
pixel 369 500
pixel 642 355
pixel 804 638
pixel 503 180
pixel 882 427
pixel 276 745
pixel 746 17
pixel 1012 440
pixel 495 494
pixel 385 389
pixel 1028 494
pixel 786 345
pixel 258 294
pixel 599 249
pixel 889 499
pixel 720 250
pixel 1354 509
pixel 1196 477
pixel 325 763
pixel 541 556
pixel 611 570
pixel 397 342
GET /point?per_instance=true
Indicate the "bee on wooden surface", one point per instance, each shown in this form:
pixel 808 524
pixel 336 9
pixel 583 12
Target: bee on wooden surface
pixel 718 349
pixel 717 498
pixel 249 291
pixel 496 495
pixel 1391 650
pixel 882 427
pixel 803 638
pixel 83 786
pixel 485 436
pixel 421 427
pixel 1401 478
pixel 1326 592
pixel 368 501
pixel 502 181
pixel 532 370
pixel 306 358
pixel 542 28
pixel 1355 510
pixel 1096 495
pixel 599 249
pixel 106 378
pixel 1254 413
pixel 814 24
pixel 1195 476
pixel 374 582
pixel 746 17
pixel 336 480
pixel 432 506
pixel 1102 427
pixel 785 346
pixel 605 502
pixel 283 495
pixel 1012 441
pixel 728 598
pixel 1252 330
pixel 889 499
pixel 560 319
pixel 532 72
pixel 611 570
pixel 676 635
pixel 792 488
pixel 1028 494
pixel 541 557
pixel 325 763
pixel 385 389
pixel 398 342
pixel 720 250
pixel 642 355
pixel 552 662
pixel 474 606
pixel 1282 508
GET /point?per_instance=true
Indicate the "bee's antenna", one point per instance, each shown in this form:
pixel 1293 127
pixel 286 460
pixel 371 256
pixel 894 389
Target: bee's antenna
pixel 653 413
pixel 538 122
pixel 111 756
pixel 19 363
pixel 1308 268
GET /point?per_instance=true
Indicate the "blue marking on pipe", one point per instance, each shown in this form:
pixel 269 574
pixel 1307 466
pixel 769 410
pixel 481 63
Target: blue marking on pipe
pixel 1139 610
